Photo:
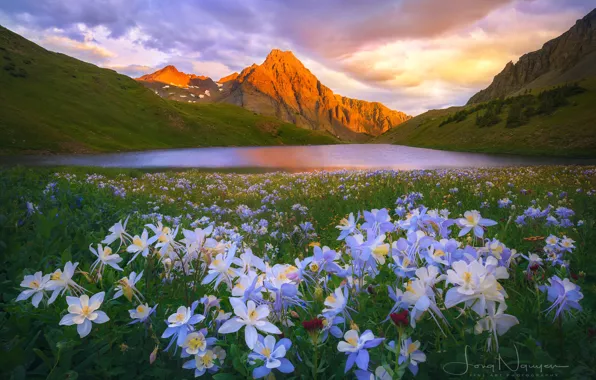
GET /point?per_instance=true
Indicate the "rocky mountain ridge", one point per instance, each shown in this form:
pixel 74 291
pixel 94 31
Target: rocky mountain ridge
pixel 567 58
pixel 283 87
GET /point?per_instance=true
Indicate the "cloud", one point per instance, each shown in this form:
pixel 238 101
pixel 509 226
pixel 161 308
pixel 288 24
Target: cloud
pixel 133 71
pixel 212 69
pixel 85 51
pixel 410 54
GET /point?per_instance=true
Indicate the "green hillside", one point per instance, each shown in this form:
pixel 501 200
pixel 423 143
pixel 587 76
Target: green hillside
pixel 556 122
pixel 50 102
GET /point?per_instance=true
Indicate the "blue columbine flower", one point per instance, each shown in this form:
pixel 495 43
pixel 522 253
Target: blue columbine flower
pixel 356 348
pixel 272 354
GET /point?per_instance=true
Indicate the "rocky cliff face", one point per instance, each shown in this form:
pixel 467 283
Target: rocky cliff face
pixel 569 57
pixel 284 88
pixel 228 78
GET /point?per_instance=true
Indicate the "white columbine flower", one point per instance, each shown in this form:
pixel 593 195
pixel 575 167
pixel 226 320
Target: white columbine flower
pixel 126 286
pixel 335 302
pixel 250 316
pixel 472 220
pixel 496 323
pixel 140 245
pixel 82 311
pixel 36 285
pixel 61 281
pixel 105 257
pixel 219 269
pixel 141 313
pixel 118 231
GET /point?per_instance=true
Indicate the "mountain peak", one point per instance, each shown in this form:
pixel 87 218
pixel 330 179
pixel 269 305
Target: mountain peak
pixel 277 55
pixel 171 75
pixel 170 68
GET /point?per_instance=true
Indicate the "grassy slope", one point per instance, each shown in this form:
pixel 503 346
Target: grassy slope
pixel 50 102
pixel 569 131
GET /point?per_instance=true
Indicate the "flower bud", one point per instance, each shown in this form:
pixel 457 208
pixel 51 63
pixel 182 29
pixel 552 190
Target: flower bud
pixel 153 355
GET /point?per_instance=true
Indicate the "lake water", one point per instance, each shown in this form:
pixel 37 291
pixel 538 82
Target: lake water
pixel 295 158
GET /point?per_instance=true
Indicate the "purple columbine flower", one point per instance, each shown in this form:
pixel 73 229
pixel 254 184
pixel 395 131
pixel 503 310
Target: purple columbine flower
pixel 563 294
pixel 272 354
pixel 410 353
pixel 378 220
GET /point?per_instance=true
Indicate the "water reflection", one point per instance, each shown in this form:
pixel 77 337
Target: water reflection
pixel 361 156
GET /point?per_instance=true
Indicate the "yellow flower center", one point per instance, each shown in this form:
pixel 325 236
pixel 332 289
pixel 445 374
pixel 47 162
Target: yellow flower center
pixel 411 348
pixel 409 287
pixel 314 267
pixel 352 341
pixel 439 253
pixel 207 358
pixel 107 251
pixel 381 250
pixel 470 218
pixel 266 352
pixel 467 277
pixel 196 342
pixel 85 311
pixel 179 317
pixel 253 315
pixel 137 241
pixel 140 309
pixel 330 299
pixel 34 284
pixel 56 276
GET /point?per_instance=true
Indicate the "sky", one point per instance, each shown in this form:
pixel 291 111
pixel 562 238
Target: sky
pixel 411 55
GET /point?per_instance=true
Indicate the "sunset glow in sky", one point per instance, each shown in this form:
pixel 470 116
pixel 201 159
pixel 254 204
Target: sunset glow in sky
pixel 411 55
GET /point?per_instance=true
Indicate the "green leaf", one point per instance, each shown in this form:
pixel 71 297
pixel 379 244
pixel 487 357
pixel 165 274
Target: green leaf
pixel 43 357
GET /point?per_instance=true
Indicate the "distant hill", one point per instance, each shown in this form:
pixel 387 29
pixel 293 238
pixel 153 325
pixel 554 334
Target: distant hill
pixel 51 103
pixel 567 58
pixel 558 121
pixel 282 87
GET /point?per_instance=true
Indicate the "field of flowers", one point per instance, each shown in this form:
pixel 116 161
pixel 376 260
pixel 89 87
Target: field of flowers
pixel 484 273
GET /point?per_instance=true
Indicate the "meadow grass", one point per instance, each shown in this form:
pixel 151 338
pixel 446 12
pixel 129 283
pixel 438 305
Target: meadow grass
pixel 49 217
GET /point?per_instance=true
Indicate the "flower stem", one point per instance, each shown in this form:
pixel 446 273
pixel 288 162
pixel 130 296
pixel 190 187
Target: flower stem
pixel 315 368
pixel 397 349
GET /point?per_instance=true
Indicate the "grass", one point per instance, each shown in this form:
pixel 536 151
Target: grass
pixel 569 131
pixel 52 103
pixel 76 206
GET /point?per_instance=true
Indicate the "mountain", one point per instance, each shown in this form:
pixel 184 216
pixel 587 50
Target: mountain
pixel 567 58
pixel 542 105
pixel 51 103
pixel 555 121
pixel 282 87
pixel 170 76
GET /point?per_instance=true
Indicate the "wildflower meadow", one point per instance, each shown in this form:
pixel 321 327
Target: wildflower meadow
pixel 428 274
